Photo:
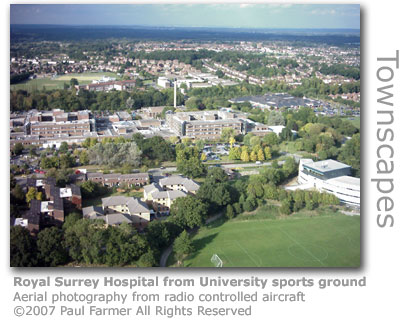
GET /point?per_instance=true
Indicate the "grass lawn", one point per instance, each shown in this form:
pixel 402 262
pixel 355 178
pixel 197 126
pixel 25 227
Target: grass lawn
pixel 301 240
pixel 289 146
pixel 86 76
pixel 58 82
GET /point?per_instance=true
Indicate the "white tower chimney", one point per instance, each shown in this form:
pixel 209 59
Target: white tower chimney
pixel 174 93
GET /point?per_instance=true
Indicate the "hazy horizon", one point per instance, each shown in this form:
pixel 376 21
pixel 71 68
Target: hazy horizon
pixel 234 16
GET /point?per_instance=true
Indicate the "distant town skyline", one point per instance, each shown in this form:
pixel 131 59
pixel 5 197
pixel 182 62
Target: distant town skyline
pixel 288 16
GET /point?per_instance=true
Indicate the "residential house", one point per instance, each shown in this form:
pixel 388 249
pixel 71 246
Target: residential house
pixel 177 182
pixel 137 210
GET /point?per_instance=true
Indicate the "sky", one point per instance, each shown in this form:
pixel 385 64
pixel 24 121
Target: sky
pixel 332 16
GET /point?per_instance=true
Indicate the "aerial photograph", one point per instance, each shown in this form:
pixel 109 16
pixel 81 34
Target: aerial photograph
pixel 185 135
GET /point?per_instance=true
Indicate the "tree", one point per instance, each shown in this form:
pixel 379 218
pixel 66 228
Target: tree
pixel 50 247
pixel 22 248
pixel 286 134
pixel 271 139
pixel 237 208
pixel 124 245
pixel 227 134
pixel 232 141
pixel 235 153
pixel 216 175
pixel 255 141
pixel 248 205
pixel 253 156
pixel 188 212
pixel 84 157
pixel 229 211
pixel 310 201
pixel 214 189
pixel 147 260
pixel 289 166
pixel 73 82
pixel 351 154
pixel 246 139
pixel 63 147
pixel 33 194
pixel 86 240
pixel 158 235
pixel 245 156
pixel 267 153
pixel 32 151
pixel 115 155
pixel 66 161
pixel 275 119
pixel 299 200
pixel 182 245
pixel 260 155
pixel 18 149
pixel 286 207
pixel 18 195
pixel 89 189
pixel 188 162
pixel 130 103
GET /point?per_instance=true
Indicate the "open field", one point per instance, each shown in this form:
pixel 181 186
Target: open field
pixel 328 240
pixel 86 76
pixel 58 82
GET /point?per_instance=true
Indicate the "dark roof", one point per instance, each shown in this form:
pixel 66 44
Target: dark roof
pixel 94 175
pixel 92 212
pixel 54 192
pixel 58 204
pixel 31 182
pixel 117 219
pixel 76 190
pixel 34 214
pixel 50 181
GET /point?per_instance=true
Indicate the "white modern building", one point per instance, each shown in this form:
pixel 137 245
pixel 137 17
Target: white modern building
pixel 163 82
pixel 329 176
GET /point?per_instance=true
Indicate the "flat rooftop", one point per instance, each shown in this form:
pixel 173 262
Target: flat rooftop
pixel 346 180
pixel 326 165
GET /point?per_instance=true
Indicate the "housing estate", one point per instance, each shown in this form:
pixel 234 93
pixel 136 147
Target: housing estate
pixel 52 211
pixel 162 195
pixel 117 179
pixel 120 209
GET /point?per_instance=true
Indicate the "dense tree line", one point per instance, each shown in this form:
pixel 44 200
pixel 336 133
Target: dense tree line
pixel 16 78
pixel 69 100
pixel 341 69
pixel 188 161
pixel 314 87
pixel 155 149
pixel 186 56
pixel 81 241
pixel 115 155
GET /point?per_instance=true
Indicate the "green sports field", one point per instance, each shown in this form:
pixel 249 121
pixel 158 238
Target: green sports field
pixel 331 240
pixel 58 82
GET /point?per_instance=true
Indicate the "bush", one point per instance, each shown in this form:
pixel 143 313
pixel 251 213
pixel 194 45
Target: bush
pixel 229 212
pixel 237 208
